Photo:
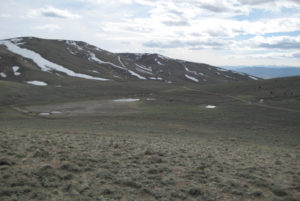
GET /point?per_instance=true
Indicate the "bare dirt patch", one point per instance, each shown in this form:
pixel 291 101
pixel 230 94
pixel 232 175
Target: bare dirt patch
pixel 83 108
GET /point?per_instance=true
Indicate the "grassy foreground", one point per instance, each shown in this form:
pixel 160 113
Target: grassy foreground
pixel 67 165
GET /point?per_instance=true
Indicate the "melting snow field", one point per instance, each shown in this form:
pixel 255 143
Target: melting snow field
pixel 144 69
pixel 136 75
pixel 44 113
pixel 55 112
pixel 15 70
pixel 190 71
pixel 44 64
pixel 191 78
pixel 3 75
pixel 158 62
pixel 94 58
pixel 130 71
pixel 210 106
pixel 127 100
pixel 155 78
pixel 253 78
pixel 38 83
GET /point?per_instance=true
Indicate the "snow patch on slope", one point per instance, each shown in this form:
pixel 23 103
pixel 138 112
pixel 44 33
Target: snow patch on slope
pixel 127 100
pixel 253 78
pixel 144 69
pixel 155 78
pixel 17 41
pixel 73 43
pixel 191 78
pixel 44 64
pixel 158 62
pixel 130 71
pixel 37 83
pixel 136 75
pixel 15 70
pixel 190 71
pixel 210 106
pixel 3 75
pixel 93 57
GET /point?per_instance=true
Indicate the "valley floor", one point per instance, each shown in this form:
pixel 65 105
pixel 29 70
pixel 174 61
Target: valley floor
pixel 166 145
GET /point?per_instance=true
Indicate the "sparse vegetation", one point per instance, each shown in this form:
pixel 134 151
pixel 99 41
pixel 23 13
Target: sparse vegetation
pixel 86 166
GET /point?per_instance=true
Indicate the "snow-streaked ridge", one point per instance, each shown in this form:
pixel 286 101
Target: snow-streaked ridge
pixel 144 69
pixel 44 64
pixel 130 71
pixel 94 58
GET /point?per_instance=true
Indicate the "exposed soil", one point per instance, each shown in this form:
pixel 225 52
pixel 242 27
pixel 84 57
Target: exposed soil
pixel 101 107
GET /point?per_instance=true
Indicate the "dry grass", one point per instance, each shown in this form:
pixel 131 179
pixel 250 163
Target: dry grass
pixel 59 165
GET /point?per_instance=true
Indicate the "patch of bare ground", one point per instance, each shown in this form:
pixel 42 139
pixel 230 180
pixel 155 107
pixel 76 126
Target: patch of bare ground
pixel 38 165
pixel 100 107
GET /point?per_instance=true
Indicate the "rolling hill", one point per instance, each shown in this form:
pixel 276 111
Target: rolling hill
pixel 29 59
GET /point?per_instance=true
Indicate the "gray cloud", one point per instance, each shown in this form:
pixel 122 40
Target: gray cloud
pixel 212 6
pixel 255 2
pixel 176 23
pixel 215 8
pixel 217 33
pixel 53 13
pixel 258 2
pixel 191 44
pixel 296 55
pixel 176 12
pixel 296 1
pixel 283 44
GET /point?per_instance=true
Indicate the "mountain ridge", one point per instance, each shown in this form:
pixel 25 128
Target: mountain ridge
pixel 79 59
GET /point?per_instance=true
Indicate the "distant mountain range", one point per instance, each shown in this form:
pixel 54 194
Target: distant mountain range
pixel 266 72
pixel 42 62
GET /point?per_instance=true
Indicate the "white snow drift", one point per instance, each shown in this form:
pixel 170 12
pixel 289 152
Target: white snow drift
pixel 210 106
pixel 3 75
pixel 37 83
pixel 127 100
pixel 191 78
pixel 15 70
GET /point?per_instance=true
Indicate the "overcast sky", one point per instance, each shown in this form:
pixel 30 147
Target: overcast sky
pixel 217 32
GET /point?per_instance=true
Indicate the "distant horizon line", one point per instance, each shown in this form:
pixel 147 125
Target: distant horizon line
pixel 258 66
